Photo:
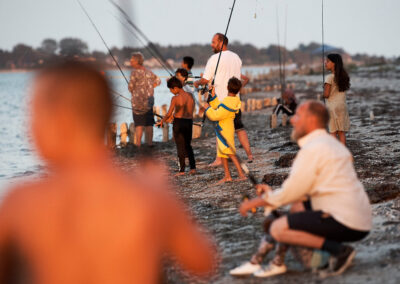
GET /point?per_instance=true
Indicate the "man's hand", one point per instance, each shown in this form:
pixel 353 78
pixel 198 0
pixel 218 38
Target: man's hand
pixel 196 84
pixel 160 123
pixel 249 204
pixel 261 188
pixel 244 207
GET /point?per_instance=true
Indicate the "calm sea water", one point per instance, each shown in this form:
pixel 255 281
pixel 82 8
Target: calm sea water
pixel 17 156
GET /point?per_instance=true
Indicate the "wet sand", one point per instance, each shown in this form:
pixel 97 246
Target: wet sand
pixel 375 145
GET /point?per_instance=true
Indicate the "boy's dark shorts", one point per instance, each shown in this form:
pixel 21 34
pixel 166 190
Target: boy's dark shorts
pixel 321 224
pixel 146 119
pixel 238 121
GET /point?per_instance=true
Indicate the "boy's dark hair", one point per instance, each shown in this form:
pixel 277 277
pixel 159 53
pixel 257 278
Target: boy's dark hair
pixel 174 82
pixel 183 72
pixel 222 38
pixel 341 77
pixel 189 61
pixel 234 85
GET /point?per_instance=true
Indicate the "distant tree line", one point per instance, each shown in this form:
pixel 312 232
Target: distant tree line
pixel 28 57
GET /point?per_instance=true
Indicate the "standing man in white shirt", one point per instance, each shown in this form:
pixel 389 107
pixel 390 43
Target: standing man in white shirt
pixel 229 66
pixel 337 208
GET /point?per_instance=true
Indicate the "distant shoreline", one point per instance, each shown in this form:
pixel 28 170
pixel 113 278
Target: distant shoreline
pixel 23 70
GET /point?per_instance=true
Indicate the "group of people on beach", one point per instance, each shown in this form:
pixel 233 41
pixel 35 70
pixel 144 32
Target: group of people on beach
pixel 88 222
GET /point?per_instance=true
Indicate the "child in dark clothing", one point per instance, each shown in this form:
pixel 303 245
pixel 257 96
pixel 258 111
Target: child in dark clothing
pixel 289 104
pixel 181 111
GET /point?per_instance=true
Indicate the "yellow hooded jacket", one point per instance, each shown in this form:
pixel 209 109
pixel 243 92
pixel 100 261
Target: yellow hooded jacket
pixel 224 114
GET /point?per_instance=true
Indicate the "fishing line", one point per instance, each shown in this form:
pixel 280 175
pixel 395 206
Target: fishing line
pixel 223 43
pixel 152 53
pixel 219 58
pixel 279 51
pixel 284 52
pixel 150 44
pixel 98 32
pixel 323 45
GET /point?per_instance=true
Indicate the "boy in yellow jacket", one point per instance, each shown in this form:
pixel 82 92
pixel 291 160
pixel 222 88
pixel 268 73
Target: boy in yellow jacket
pixel 224 113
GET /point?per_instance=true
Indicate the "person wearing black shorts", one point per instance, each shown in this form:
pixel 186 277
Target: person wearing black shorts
pixel 141 85
pixel 338 210
pixel 181 111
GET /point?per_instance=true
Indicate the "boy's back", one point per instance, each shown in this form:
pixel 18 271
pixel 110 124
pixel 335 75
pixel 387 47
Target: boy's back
pixel 95 225
pixel 87 222
pixel 184 105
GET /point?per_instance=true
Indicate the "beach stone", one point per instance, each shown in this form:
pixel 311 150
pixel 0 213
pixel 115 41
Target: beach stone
pixel 371 115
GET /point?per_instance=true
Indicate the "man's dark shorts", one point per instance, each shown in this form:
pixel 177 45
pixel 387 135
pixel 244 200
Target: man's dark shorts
pixel 146 119
pixel 238 121
pixel 321 224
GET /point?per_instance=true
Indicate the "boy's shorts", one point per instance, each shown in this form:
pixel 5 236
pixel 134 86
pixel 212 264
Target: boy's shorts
pixel 238 121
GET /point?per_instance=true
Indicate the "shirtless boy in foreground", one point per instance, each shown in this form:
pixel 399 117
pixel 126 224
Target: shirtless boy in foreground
pixel 86 221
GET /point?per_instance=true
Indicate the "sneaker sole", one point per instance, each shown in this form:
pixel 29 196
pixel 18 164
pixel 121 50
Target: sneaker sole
pixel 269 275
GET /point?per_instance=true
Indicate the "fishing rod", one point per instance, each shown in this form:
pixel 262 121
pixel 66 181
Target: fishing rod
pixel 223 42
pixel 118 94
pixel 279 52
pixel 323 46
pixel 150 44
pixel 160 116
pixel 284 52
pixel 152 53
pixel 219 58
pixel 98 32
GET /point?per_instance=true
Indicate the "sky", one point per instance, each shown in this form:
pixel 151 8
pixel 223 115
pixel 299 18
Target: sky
pixel 358 26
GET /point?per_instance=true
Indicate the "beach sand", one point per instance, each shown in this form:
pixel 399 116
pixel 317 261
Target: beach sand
pixel 375 145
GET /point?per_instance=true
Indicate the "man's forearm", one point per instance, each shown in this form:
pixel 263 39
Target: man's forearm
pixel 201 82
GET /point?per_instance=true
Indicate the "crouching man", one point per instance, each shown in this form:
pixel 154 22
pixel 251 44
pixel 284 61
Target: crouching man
pixel 332 206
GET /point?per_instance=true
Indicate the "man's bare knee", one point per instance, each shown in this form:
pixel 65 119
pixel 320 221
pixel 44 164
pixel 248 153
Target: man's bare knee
pixel 278 228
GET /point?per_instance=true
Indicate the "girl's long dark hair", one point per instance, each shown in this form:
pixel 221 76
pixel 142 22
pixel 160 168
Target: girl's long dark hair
pixel 341 77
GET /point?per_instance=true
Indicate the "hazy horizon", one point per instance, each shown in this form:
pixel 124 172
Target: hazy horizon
pixel 357 26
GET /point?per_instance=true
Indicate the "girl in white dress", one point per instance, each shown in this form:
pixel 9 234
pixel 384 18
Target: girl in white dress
pixel 334 92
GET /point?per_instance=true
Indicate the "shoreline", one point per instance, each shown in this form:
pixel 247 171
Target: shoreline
pixel 375 145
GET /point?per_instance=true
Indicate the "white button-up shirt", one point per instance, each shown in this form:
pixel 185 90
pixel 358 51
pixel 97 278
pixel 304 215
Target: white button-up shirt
pixel 323 171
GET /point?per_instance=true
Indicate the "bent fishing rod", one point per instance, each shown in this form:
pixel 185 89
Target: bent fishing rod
pixel 108 49
pixel 150 44
pixel 116 62
pixel 152 53
pixel 219 58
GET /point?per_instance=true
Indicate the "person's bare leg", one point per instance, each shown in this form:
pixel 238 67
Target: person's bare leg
pixel 281 232
pixel 238 167
pixel 227 173
pixel 263 249
pixel 217 162
pixel 244 141
pixel 342 137
pixel 139 134
pixel 149 135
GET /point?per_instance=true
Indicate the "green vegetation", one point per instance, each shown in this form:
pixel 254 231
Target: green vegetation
pixel 27 57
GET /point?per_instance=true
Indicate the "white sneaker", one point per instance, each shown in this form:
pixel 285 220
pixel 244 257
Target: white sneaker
pixel 270 270
pixel 246 268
